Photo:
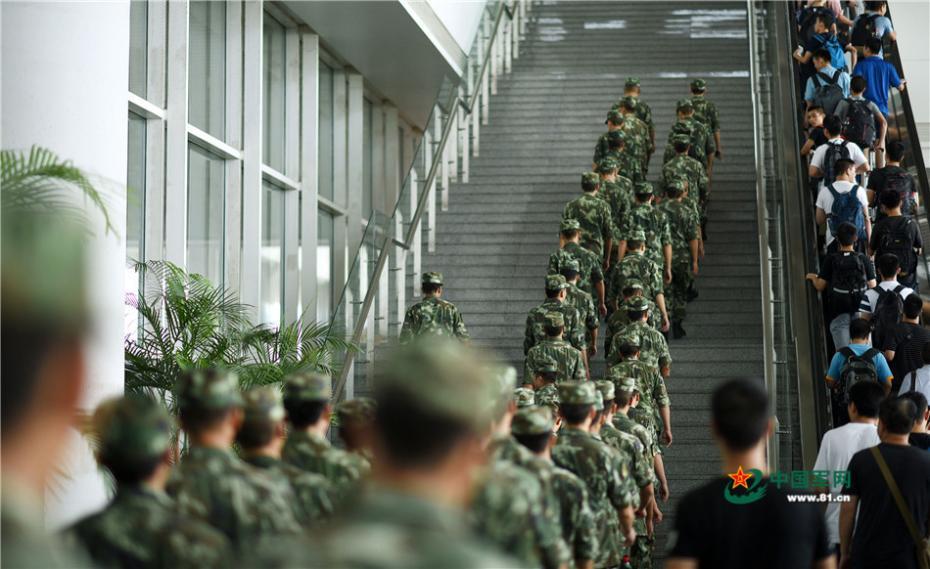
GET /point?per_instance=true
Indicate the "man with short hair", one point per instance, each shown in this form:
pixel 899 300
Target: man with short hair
pixel 880 303
pixel 705 111
pixel 919 437
pixel 772 533
pixel 904 347
pixel 654 348
pixel 815 131
pixel 873 24
pixel 824 37
pixel 863 122
pixel 261 439
pixel 881 537
pixel 593 215
pixel 569 360
pixel 592 276
pixel 433 316
pixel 826 79
pixel 210 483
pixel 859 331
pixel 881 75
pixel 141 527
pixel 702 146
pixel 823 162
pixel 893 178
pixel 898 235
pixel 840 444
pixel 836 204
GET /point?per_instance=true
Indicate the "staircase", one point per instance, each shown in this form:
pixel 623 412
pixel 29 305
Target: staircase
pixel 494 241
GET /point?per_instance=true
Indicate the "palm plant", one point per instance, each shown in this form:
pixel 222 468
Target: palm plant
pixel 39 181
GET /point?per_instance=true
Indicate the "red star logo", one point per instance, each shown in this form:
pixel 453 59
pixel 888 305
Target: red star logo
pixel 739 478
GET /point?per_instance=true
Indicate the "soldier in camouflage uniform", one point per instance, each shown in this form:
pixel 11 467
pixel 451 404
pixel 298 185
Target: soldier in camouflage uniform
pixel 141 527
pixel 433 316
pixel 556 291
pixel 654 408
pixel 636 266
pixel 620 318
pixel 261 438
pixel 544 383
pixel 629 164
pixel 524 397
pixel 210 483
pixel 355 417
pixel 592 275
pixel 685 227
pixel 706 112
pixel 306 399
pixel 646 216
pixel 637 136
pixel 654 348
pixel 570 362
pixel 605 474
pixel 583 303
pixel 631 88
pixel 593 215
pixel 684 167
pixel 601 148
pixel 702 143
pixel 616 190
pixel 533 428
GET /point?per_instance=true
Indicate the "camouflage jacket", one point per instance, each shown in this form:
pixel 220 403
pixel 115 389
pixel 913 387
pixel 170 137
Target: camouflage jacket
pixel 637 136
pixel 313 492
pixel 590 264
pixel 652 390
pixel 652 345
pixel 684 223
pixel 548 395
pixel 433 317
pixel 631 447
pixel 643 112
pixel 654 224
pixel 619 196
pixel 702 143
pixel 142 528
pixel 584 304
pixel 637 267
pixel 315 454
pixel 625 424
pixel 568 359
pixel 593 214
pixel 535 324
pixel 601 148
pixel 619 319
pixel 214 486
pixel 578 530
pixel 631 165
pixel 684 167
pixel 706 112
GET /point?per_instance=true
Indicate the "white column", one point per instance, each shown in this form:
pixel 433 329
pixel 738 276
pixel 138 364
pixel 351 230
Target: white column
pixel 341 253
pixel 233 229
pixel 354 153
pixel 176 136
pixel 250 279
pixel 292 133
pixel 309 176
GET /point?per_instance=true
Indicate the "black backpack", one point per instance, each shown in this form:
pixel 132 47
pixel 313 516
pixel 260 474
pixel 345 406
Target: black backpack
pixel 901 182
pixel 859 126
pixel 846 208
pixel 897 241
pixel 887 314
pixel 856 368
pixel 833 153
pixel 809 18
pixel 827 92
pixel 847 282
pixel 863 29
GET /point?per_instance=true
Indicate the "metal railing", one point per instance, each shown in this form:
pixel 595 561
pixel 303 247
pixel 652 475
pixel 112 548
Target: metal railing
pixel 372 303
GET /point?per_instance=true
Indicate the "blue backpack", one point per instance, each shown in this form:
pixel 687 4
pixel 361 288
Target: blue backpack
pixel 846 207
pixel 837 55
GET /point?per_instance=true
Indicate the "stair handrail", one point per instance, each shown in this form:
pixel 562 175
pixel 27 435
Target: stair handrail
pixel 506 9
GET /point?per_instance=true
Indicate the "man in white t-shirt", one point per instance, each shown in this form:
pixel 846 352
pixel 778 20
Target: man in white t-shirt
pixel 840 444
pixel 887 266
pixel 833 127
pixel 844 183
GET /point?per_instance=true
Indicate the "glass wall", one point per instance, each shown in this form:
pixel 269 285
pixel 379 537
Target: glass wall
pixel 367 141
pixel 325 178
pixel 205 214
pixel 138 47
pixel 207 67
pixel 324 265
pixel 272 253
pixel 135 214
pixel 274 68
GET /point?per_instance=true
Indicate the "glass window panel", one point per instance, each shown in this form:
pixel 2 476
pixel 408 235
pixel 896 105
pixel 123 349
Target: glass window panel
pixel 275 71
pixel 324 265
pixel 367 174
pixel 207 67
pixel 326 132
pixel 135 215
pixel 272 254
pixel 138 46
pixel 205 214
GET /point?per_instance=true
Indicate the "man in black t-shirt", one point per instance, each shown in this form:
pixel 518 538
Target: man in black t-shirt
pixel 899 235
pixel 881 539
pixel 904 348
pixel 740 520
pixel 919 436
pixel 895 177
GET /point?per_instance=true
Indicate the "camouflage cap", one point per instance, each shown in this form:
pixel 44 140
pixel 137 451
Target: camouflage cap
pixel 209 389
pixel 262 405
pixel 643 188
pixel 533 421
pixel 608 165
pixel 684 105
pixel 681 139
pixel 571 265
pixel 638 303
pixel 360 409
pixel 577 393
pixel 590 180
pixel 631 82
pixel 628 102
pixel 626 384
pixel 636 234
pixel 133 427
pixel 675 183
pixel 524 396
pixel 614 117
pixel 503 386
pixel 598 401
pixel 546 365
pixel 307 386
pixel 606 388
pixel 554 319
pixel 569 224
pixel 555 282
pixel 635 284
pixel 431 278
pixel 699 84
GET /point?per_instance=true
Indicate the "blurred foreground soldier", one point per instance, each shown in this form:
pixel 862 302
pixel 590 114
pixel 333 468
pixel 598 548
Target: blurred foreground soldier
pixel 685 228
pixel 356 417
pixel 524 397
pixel 433 316
pixel 606 476
pixel 593 215
pixel 141 527
pixel 740 519
pixel 44 322
pixel 705 111
pixel 589 265
pixel 261 438
pixel 306 399
pixel 569 360
pixel 210 483
pixel 430 427
pixel 533 428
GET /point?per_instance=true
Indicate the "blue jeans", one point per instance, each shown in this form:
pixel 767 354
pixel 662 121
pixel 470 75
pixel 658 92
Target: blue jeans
pixel 839 329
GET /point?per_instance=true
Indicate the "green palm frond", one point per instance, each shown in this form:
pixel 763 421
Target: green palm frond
pixel 37 180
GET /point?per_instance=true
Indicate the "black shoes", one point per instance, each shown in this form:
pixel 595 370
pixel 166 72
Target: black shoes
pixel 678 331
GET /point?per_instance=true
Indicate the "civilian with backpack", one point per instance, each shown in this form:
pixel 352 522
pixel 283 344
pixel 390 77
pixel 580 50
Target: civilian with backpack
pixel 883 305
pixel 844 201
pixel 844 277
pixel 857 362
pixel 904 347
pixel 823 162
pixel 863 123
pixel 872 24
pixel 828 85
pixel 898 235
pixel 815 131
pixel 894 178
pixel 823 38
pixel 881 75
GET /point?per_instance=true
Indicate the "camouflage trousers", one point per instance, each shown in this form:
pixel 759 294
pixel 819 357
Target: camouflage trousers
pixel 677 291
pixel 641 552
